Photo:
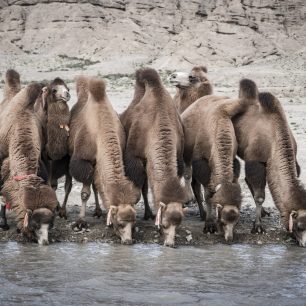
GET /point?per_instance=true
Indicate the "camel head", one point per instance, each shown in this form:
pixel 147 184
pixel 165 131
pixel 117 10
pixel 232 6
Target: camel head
pixel 168 218
pixel 40 203
pixel 297 226
pixel 122 218
pixel 227 201
pixel 37 224
pixel 196 78
pixel 54 103
pixel 57 91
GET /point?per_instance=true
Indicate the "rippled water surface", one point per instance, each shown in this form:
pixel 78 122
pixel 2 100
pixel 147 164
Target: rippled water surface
pixel 92 274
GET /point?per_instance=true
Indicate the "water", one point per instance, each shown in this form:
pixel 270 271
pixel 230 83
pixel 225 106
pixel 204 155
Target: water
pixel 92 274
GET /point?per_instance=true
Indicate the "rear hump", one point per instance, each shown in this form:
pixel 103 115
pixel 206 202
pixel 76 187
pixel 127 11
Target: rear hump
pixel 268 102
pixel 33 91
pixel 97 89
pixel 148 76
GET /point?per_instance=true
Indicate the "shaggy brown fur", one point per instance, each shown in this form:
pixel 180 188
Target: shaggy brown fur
pixel 52 108
pixel 155 147
pixel 190 87
pixel 97 142
pixel 21 142
pixel 210 142
pixel 265 138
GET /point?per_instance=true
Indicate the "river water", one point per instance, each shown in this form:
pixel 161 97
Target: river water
pixel 93 274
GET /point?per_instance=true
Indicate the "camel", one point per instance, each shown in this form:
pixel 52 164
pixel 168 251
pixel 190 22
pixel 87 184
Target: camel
pixel 97 141
pixel 268 148
pixel 52 108
pixel 190 86
pixel 21 143
pixel 210 149
pixel 154 150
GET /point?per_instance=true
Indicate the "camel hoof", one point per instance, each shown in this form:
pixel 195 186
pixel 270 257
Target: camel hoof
pixel 264 213
pixel 257 229
pixel 79 225
pixel 210 227
pixel 3 225
pixel 97 213
pixel 62 213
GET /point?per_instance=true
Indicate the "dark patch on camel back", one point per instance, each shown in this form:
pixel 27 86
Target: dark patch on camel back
pixel 172 191
pixel 149 76
pixel 268 102
pixel 175 217
pixel 228 194
pixel 97 89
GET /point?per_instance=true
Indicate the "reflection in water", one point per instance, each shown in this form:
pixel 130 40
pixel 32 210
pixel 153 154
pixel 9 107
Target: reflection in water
pixel 91 274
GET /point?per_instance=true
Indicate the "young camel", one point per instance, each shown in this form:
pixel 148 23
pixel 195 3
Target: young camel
pixel 154 150
pixel 53 110
pixel 97 142
pixel 21 141
pixel 210 149
pixel 190 86
pixel 269 149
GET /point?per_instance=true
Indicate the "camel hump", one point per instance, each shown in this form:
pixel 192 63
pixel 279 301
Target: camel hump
pixel 248 90
pixel 33 91
pixel 268 102
pixel 97 89
pixel 12 78
pixel 149 76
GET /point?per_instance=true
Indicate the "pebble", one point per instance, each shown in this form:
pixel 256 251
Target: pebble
pixel 189 238
pixel 156 240
pixel 259 242
pixel 136 229
pixel 188 232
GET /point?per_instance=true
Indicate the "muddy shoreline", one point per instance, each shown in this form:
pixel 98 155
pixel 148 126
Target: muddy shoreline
pixel 189 233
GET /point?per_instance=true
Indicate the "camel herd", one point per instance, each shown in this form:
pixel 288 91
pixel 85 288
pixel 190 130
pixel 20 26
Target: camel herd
pixel 172 145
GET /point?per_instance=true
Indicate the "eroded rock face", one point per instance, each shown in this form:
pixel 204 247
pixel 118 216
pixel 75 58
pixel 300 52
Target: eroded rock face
pixel 117 36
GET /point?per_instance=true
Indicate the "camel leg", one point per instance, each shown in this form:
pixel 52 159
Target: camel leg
pixel 210 222
pixel 196 187
pixel 255 177
pixel 81 222
pixel 68 186
pixel 3 222
pixel 237 168
pixel 98 210
pixel 148 212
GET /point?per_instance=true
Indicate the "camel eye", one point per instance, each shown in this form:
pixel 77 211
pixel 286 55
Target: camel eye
pixel 54 91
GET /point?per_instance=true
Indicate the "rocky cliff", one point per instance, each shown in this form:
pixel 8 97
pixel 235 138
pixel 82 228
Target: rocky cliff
pixel 118 36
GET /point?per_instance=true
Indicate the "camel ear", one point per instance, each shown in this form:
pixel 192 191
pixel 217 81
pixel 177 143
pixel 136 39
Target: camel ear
pixel 44 97
pixel 27 218
pixel 112 211
pixel 185 210
pixel 162 207
pixel 204 68
pixel 218 187
pixel 292 216
pixel 219 207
